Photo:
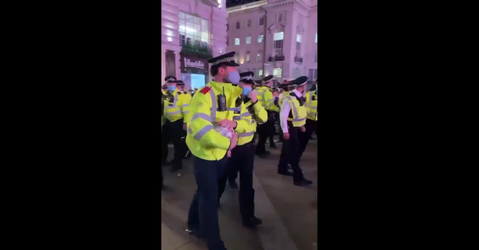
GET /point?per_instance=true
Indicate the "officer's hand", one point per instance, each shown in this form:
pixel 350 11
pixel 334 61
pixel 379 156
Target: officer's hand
pixel 286 136
pixel 229 153
pixel 302 128
pixel 234 140
pixel 184 126
pixel 252 96
pixel 275 94
pixel 225 123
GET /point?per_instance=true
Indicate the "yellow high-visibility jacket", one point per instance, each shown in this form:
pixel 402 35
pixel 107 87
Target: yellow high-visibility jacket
pixel 265 98
pixel 298 113
pixel 312 105
pixel 254 114
pixel 202 140
pixel 176 106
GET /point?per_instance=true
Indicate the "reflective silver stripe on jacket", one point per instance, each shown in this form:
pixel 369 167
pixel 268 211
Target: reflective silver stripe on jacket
pixel 245 114
pixel 203 131
pixel 213 105
pixel 235 109
pixel 295 112
pixel 246 134
pixel 173 113
pixel 200 115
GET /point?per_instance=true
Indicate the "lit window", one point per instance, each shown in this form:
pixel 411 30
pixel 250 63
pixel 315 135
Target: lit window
pixel 316 38
pixel 193 30
pixel 260 72
pixel 277 72
pixel 248 40
pixel 247 57
pixel 298 38
pixel 219 4
pixel 259 56
pixel 278 36
pixel 260 38
pixel 237 41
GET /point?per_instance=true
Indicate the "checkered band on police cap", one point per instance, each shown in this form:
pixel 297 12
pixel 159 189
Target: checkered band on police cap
pixel 227 59
pixel 248 77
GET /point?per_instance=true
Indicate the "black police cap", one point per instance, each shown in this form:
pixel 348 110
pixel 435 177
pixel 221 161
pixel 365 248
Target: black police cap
pixel 179 83
pixel 170 78
pixel 267 78
pixel 300 81
pixel 247 77
pixel 227 59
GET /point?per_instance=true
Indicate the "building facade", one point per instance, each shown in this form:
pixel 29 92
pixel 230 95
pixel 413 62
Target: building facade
pixel 275 37
pixel 192 31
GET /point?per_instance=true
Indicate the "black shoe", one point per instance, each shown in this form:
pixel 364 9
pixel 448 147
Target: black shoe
pixel 251 222
pixel 195 232
pixel 285 172
pixel 262 155
pixel 233 184
pixel 273 146
pixel 303 182
pixel 256 220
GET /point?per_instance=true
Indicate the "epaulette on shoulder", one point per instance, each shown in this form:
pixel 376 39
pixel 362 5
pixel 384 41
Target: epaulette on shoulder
pixel 205 90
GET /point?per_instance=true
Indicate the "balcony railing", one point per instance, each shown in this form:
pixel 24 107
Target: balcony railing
pixel 276 58
pixel 298 59
pixel 196 49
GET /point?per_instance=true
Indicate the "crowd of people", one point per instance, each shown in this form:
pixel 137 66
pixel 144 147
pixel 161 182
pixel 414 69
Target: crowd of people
pixel 218 125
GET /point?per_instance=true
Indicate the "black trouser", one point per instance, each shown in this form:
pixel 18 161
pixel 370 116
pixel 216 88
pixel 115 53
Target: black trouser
pixel 262 136
pixel 242 160
pixel 264 131
pixel 311 126
pixel 203 213
pixel 290 153
pixel 272 126
pixel 174 131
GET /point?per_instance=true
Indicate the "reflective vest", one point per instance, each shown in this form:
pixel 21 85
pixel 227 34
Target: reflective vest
pixel 254 114
pixel 282 97
pixel 265 98
pixel 297 115
pixel 312 105
pixel 202 139
pixel 176 106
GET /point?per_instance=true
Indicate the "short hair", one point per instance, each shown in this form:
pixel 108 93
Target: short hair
pixel 214 69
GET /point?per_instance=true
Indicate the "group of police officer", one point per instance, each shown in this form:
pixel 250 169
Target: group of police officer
pixel 218 125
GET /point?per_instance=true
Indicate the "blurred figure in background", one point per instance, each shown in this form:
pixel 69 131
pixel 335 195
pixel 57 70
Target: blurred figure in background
pixel 312 118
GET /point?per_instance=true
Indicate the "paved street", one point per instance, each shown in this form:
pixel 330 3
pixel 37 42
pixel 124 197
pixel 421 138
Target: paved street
pixel 289 213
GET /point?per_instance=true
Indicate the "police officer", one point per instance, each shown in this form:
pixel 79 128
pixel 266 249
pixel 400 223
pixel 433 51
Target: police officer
pixel 274 110
pixel 165 139
pixel 312 118
pixel 242 156
pixel 266 99
pixel 285 87
pixel 292 119
pixel 175 111
pixel 213 108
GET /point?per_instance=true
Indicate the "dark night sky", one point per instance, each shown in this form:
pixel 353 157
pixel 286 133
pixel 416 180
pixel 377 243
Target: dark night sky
pixel 232 3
